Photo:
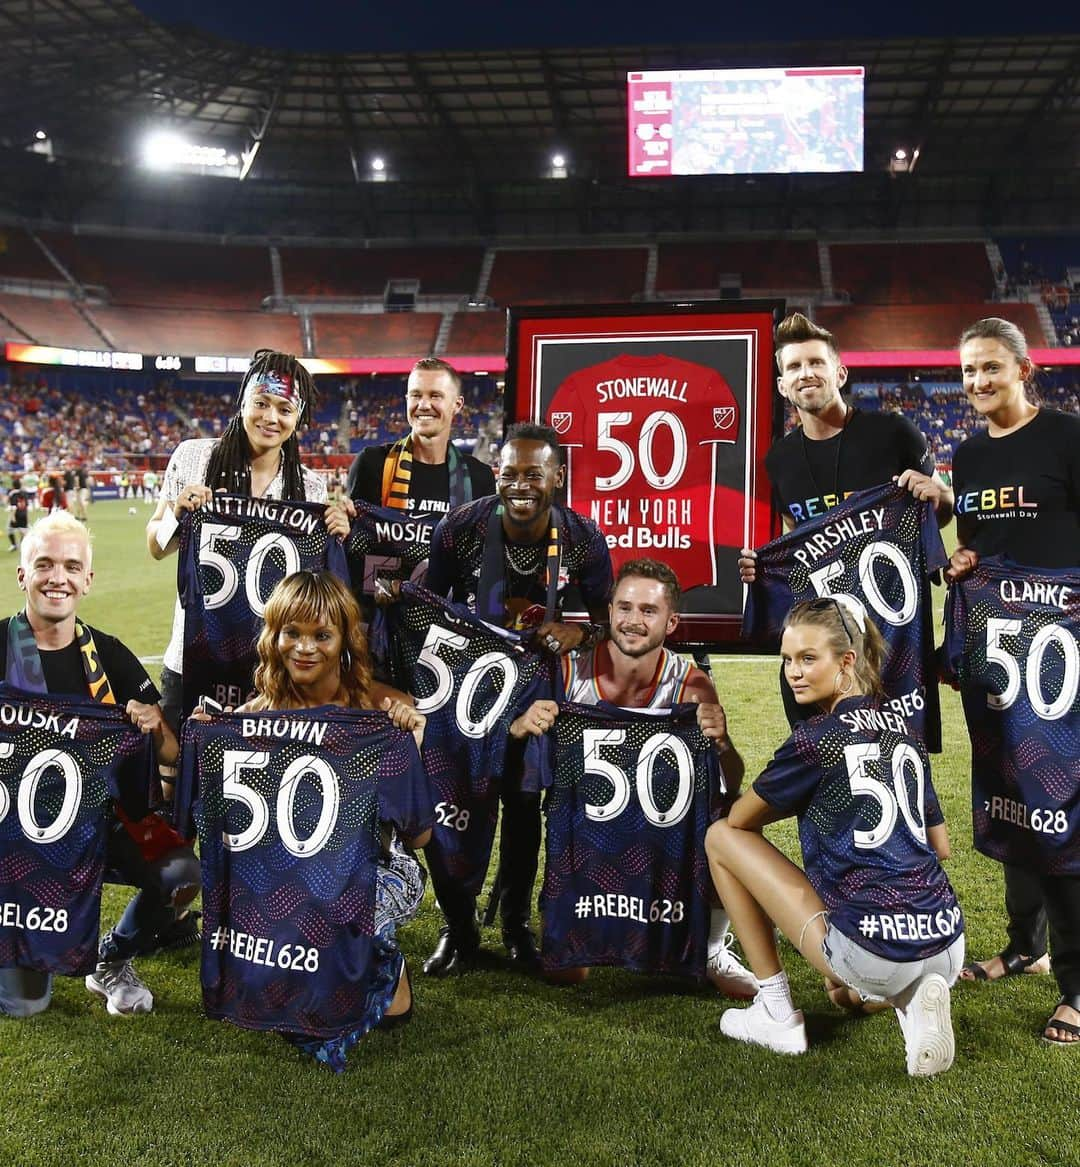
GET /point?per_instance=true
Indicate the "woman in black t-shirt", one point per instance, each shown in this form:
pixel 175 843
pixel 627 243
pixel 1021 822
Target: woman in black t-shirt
pixel 1017 487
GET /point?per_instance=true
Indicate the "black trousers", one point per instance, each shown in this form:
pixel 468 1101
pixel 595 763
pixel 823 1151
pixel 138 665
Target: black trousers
pixel 519 857
pixel 1038 903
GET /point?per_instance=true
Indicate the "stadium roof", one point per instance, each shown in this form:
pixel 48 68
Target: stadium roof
pixel 467 135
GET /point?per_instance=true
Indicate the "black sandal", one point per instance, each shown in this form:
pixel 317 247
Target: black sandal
pixel 1015 965
pixel 1073 1001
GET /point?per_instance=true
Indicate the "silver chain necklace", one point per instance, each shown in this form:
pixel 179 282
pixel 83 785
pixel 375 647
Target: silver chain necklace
pixel 530 568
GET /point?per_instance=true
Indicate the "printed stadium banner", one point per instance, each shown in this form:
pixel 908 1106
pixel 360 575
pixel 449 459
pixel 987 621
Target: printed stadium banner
pixel 233 552
pixel 63 761
pixel 1012 642
pixel 665 414
pixel 880 547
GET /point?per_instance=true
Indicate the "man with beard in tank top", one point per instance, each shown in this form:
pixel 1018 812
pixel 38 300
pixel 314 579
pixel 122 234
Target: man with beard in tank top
pixel 633 669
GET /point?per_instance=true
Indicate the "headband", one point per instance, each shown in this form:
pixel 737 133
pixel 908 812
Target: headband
pixel 276 384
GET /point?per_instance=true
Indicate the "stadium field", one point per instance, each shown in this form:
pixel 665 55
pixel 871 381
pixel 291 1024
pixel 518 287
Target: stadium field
pixel 501 1070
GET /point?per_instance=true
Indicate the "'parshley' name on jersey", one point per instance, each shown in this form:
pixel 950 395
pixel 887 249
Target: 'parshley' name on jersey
pixel 274 512
pixel 1035 592
pixel 311 732
pixel 841 531
pixel 23 715
pixel 621 387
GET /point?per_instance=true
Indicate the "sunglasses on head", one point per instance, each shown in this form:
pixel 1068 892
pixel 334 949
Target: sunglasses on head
pixel 827 602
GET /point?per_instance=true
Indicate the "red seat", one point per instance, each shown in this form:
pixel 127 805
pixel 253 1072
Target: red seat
pixel 763 265
pixel 333 271
pixel 21 258
pixel 393 334
pixel 169 330
pixel 919 326
pixel 912 273
pixel 579 275
pixel 47 322
pixel 166 273
pixel 479 333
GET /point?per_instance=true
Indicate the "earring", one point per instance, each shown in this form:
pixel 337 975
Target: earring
pixel 346 660
pixel 850 683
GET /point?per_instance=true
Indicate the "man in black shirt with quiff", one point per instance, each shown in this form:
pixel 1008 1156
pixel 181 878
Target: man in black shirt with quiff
pixel 836 449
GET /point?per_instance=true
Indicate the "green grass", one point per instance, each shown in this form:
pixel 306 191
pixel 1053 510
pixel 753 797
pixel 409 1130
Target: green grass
pixel 497 1069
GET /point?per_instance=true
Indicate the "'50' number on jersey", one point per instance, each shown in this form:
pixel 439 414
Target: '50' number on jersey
pixel 213 535
pixel 495 668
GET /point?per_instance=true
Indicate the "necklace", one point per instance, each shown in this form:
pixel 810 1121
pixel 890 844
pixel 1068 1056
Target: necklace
pixel 531 567
pixel 848 411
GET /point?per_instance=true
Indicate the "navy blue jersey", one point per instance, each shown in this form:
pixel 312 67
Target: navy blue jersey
pixel 457 557
pixel 879 546
pixel 62 763
pixel 626 881
pixel 1012 641
pixel 859 782
pixel 233 552
pixel 470 681
pixel 386 543
pixel 289 807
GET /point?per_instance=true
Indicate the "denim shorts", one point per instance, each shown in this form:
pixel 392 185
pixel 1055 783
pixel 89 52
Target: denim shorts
pixel 876 978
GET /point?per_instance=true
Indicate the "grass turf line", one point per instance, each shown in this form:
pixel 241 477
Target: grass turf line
pixel 497 1069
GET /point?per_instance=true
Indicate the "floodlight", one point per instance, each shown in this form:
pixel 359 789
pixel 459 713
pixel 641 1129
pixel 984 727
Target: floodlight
pixel 163 149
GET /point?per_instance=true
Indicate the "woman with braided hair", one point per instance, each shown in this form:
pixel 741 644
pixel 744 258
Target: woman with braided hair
pixel 257 455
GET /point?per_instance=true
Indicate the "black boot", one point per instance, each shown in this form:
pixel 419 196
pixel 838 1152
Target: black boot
pixel 520 943
pixel 456 951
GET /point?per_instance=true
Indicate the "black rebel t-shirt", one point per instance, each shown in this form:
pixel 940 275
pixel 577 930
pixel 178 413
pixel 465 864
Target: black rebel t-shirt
pixel 1019 494
pixel 809 476
pixel 429 486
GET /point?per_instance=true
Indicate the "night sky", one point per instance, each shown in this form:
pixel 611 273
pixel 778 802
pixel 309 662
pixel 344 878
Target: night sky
pixel 427 25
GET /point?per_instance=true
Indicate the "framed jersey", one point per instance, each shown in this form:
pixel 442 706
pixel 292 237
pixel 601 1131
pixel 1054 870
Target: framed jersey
pixel 665 413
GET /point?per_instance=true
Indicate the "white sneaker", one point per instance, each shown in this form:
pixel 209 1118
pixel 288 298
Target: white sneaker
pixel 926 1024
pixel 124 993
pixel 757 1026
pixel 728 975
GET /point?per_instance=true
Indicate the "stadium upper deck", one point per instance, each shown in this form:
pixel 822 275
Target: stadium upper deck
pixel 165 295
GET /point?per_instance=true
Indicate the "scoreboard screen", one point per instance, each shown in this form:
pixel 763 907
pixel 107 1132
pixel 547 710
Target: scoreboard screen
pixel 745 121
